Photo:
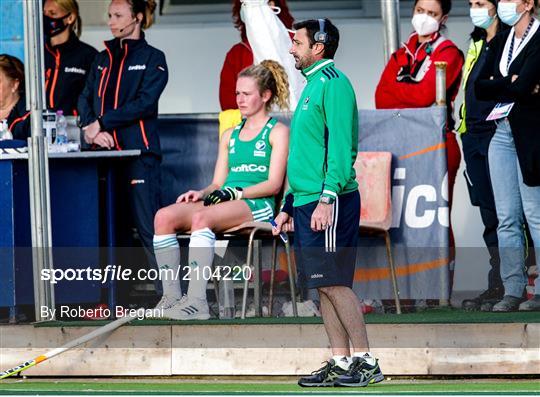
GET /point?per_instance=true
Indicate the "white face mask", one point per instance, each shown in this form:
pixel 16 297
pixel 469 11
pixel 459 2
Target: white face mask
pixel 424 24
pixel 508 13
pixel 480 17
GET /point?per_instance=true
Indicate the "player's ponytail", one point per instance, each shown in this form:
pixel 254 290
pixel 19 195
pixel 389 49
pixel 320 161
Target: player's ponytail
pixel 270 75
pixel 281 97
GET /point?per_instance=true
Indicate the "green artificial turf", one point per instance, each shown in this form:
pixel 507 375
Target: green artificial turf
pixel 467 386
pixel 429 316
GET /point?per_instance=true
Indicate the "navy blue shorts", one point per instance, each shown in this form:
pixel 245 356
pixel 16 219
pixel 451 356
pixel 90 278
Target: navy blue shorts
pixel 327 258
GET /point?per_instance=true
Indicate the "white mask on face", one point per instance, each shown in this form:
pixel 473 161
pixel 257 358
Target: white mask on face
pixel 424 24
pixel 480 17
pixel 508 13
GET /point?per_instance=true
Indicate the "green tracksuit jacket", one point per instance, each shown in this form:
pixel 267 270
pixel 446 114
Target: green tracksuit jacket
pixel 324 136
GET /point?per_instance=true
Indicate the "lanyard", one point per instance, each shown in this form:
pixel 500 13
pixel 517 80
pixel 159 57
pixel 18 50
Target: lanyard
pixel 511 49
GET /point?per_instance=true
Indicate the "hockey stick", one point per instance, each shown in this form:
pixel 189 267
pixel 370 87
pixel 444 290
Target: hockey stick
pixel 83 339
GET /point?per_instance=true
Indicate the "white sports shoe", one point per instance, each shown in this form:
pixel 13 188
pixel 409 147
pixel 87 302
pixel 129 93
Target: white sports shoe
pixel 188 309
pixel 305 309
pixel 166 303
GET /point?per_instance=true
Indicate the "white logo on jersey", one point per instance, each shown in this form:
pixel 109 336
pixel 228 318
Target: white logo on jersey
pixel 74 70
pixel 249 168
pixel 305 105
pixel 260 145
pixel 259 149
pixel 137 67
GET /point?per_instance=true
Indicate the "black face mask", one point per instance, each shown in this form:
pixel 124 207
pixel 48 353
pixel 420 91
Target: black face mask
pixel 54 26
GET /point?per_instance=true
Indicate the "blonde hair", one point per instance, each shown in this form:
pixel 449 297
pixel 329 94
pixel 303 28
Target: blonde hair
pixel 145 7
pixel 72 7
pixel 270 75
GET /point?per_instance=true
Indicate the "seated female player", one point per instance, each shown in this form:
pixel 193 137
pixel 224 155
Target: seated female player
pixel 249 173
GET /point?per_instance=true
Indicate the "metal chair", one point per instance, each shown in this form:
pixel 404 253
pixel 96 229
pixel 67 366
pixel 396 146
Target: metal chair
pixel 373 174
pixel 255 232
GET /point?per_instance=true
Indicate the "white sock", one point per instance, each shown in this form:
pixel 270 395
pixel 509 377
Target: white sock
pixel 167 252
pixel 221 248
pixel 342 361
pixel 366 356
pixel 201 254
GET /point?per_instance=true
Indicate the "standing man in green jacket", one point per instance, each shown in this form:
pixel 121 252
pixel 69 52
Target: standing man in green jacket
pixel 325 204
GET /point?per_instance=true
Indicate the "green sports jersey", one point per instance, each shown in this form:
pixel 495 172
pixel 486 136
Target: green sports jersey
pixel 249 161
pixel 324 136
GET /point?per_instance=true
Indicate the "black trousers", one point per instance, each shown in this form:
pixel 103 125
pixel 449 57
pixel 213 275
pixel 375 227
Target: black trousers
pixel 138 183
pixel 475 151
pixel 143 177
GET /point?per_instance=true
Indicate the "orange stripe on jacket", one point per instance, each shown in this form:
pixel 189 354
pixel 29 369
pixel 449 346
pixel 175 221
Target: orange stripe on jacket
pixel 118 90
pixel 143 131
pixel 55 78
pixel 120 78
pixel 106 81
pixel 22 118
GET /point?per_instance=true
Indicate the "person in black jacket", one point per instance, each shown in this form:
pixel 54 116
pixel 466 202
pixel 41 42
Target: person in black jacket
pixel 67 59
pixel 119 105
pixel 12 100
pixel 511 75
pixel 476 133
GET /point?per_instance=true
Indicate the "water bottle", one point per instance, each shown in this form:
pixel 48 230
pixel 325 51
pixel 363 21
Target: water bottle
pixel 61 128
pixel 49 126
pixel 226 298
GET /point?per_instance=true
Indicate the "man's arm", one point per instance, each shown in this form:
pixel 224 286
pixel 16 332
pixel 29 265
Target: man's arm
pixel 341 115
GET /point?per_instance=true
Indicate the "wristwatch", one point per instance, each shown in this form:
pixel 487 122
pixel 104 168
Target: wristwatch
pixel 327 199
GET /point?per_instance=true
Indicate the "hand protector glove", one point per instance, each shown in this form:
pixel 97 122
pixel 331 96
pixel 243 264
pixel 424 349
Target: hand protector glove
pixel 222 195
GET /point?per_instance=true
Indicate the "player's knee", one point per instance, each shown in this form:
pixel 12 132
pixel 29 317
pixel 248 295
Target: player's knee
pixel 163 222
pixel 328 291
pixel 200 220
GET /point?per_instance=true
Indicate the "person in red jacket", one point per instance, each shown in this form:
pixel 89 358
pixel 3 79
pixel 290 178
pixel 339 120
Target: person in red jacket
pixel 240 55
pixel 408 80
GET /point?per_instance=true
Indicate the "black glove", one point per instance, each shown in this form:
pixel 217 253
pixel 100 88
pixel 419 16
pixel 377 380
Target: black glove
pixel 222 195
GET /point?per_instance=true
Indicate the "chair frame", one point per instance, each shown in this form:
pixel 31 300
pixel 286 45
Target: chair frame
pixel 249 231
pixel 253 259
pixel 388 242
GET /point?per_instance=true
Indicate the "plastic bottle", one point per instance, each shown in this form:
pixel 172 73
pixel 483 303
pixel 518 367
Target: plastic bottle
pixel 226 298
pixel 49 126
pixel 61 129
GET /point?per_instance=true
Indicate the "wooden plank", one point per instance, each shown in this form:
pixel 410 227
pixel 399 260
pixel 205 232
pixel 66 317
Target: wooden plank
pixel 127 351
pixel 403 349
pixel 504 361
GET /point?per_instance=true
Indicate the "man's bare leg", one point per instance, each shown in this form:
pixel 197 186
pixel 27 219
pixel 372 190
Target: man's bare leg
pixel 339 340
pixel 348 311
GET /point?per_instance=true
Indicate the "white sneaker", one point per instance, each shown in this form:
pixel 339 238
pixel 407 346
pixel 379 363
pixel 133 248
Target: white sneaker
pixel 250 311
pixel 305 309
pixel 188 309
pixel 166 303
